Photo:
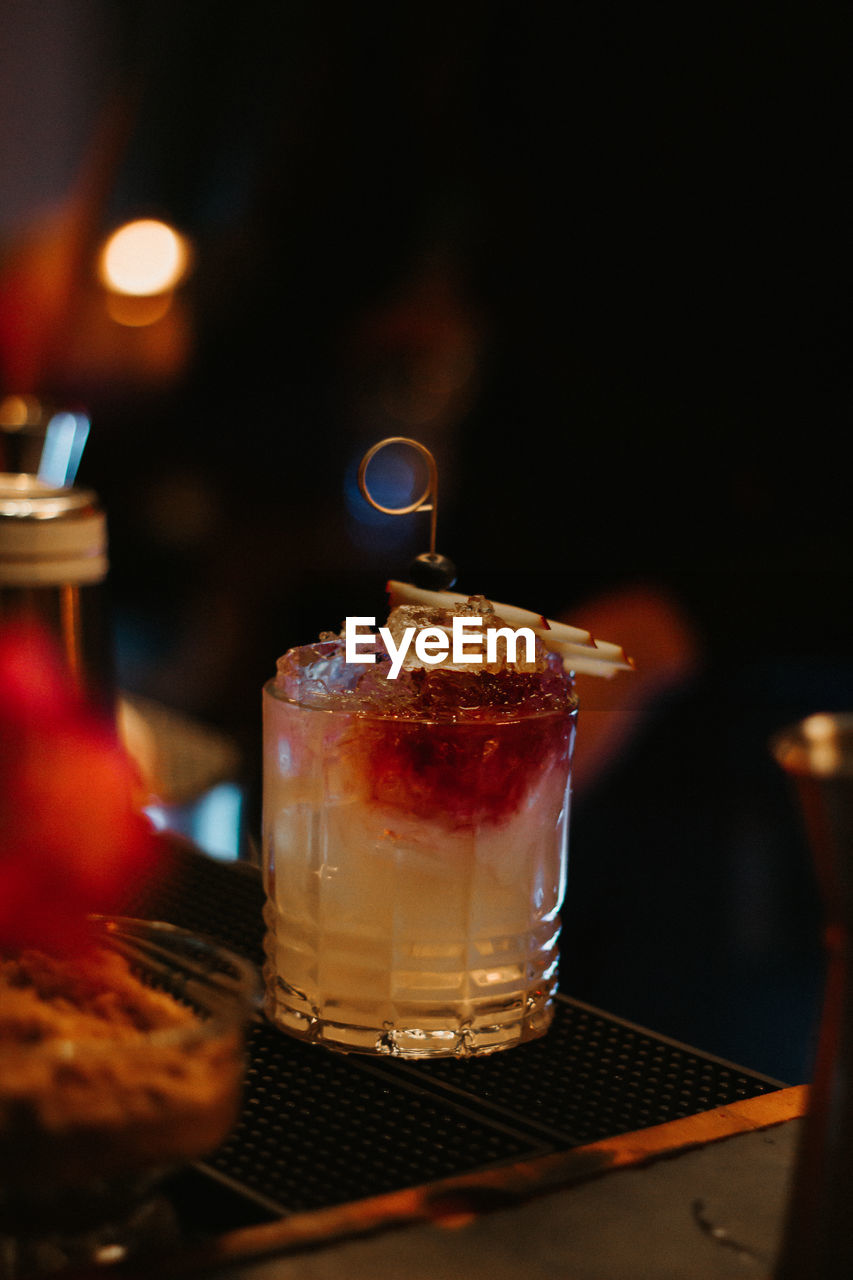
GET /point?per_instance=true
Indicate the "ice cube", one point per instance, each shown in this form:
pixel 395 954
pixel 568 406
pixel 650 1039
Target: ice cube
pixel 439 620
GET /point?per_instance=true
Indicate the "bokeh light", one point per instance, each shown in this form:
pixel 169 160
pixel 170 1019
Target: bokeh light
pixel 143 258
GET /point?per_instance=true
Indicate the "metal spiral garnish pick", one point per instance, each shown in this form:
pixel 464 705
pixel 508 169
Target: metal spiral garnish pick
pixel 429 569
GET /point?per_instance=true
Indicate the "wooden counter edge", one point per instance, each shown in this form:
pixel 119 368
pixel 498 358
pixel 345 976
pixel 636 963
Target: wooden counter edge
pixel 453 1201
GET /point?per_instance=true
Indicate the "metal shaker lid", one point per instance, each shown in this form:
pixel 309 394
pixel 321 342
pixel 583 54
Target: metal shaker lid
pixel 49 535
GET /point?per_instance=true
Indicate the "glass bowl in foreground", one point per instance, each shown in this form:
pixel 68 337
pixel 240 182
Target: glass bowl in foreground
pixel 116 1066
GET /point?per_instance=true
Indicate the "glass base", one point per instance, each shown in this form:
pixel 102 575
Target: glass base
pixel 440 1037
pixel 94 1227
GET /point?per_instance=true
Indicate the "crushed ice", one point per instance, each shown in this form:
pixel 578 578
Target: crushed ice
pixel 319 676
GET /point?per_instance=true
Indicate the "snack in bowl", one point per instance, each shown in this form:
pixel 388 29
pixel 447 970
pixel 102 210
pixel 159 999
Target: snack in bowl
pixel 117 1065
pixel 102 1069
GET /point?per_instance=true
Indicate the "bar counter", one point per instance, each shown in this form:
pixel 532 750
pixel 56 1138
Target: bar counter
pixel 602 1150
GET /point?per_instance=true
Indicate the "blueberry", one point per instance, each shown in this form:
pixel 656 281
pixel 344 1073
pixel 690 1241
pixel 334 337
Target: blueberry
pixel 432 571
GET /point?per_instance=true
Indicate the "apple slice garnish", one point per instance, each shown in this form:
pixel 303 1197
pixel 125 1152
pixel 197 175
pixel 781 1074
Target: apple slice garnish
pixel 583 663
pixel 580 652
pixel 600 651
pixel 407 593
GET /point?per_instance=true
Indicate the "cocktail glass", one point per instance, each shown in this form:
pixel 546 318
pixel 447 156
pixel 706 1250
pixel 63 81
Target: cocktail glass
pixel 414 865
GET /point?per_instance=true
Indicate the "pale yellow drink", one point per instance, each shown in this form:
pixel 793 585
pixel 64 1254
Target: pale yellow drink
pixel 414 854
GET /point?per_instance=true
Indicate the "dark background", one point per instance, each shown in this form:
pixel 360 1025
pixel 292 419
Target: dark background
pixel 596 257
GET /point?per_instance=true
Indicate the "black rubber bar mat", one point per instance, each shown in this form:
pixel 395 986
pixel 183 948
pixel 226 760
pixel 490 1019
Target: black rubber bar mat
pixel 320 1128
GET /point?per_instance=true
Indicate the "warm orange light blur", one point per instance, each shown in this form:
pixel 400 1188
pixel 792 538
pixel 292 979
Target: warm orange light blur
pixel 138 311
pixel 74 840
pixel 18 411
pixel 143 258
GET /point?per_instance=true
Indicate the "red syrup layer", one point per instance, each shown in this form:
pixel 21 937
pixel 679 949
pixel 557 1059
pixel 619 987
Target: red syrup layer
pixel 474 769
